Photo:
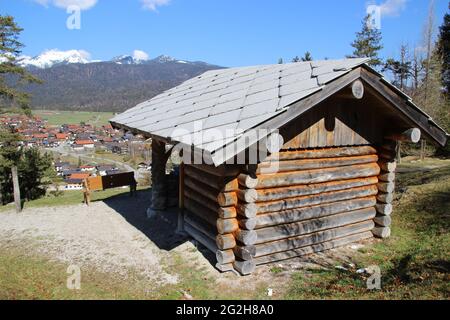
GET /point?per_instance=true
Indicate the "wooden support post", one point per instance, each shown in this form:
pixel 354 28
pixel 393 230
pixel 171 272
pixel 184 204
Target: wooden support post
pixel 180 224
pixel 159 181
pixel 16 187
pixel 422 149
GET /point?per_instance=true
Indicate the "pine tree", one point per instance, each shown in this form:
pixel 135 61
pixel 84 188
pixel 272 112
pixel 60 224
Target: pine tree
pixel 307 56
pixel 280 61
pixel 296 59
pixel 368 43
pixel 443 48
pixel 400 69
pixel 10 49
pixel 11 153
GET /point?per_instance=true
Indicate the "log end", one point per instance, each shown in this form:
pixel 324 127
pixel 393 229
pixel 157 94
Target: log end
pixel 245 267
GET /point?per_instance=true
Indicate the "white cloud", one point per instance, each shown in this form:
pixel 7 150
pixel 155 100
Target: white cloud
pixel 153 4
pixel 140 55
pixel 392 7
pixel 64 4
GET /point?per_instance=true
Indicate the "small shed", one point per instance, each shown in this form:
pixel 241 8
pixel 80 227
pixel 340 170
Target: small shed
pixel 281 160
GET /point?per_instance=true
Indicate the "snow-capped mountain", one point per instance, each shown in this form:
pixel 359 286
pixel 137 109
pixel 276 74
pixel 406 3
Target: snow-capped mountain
pixel 164 58
pixel 54 57
pixel 125 59
pixel 72 81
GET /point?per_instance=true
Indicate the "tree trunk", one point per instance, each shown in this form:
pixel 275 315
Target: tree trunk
pixel 16 186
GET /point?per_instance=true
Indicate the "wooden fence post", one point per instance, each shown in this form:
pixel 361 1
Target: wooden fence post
pixel 16 187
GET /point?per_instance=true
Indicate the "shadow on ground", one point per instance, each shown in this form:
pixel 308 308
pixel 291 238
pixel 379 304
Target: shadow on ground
pixel 161 230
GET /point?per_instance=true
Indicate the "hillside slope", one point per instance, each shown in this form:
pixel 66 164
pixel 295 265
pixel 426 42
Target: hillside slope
pixel 108 86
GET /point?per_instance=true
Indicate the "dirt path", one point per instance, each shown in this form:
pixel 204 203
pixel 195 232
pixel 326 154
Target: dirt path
pixel 95 236
pixel 116 236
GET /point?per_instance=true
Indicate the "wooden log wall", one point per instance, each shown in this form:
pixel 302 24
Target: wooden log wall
pixel 387 152
pixel 210 201
pixel 316 200
pixel 319 199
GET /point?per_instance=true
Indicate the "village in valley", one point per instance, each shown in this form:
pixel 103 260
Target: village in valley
pixel 72 146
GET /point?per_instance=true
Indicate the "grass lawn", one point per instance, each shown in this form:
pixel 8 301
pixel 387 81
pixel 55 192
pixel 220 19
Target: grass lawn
pixel 74 117
pixel 71 198
pixel 414 262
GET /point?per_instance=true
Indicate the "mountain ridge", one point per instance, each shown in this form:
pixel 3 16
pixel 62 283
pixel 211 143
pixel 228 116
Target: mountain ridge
pixel 114 85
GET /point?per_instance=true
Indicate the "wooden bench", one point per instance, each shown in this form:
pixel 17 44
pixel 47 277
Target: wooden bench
pixel 108 182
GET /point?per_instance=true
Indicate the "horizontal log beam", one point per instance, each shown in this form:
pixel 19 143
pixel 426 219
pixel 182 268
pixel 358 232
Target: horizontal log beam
pixel 387 187
pixel 223 184
pixel 385 197
pixel 381 232
pixel 354 91
pixel 310 226
pixel 202 212
pixel 206 204
pixel 318 175
pixel 200 237
pixel 313 212
pixel 305 164
pixel 248 224
pixel 383 221
pixel 387 166
pixel 323 153
pixel 312 249
pixel 272 194
pixel 246 237
pixel 225 241
pixel 314 238
pixel 224 199
pixel 321 198
pixel 201 188
pixel 225 256
pixel 225 226
pixel 245 267
pixel 220 171
pixel 245 252
pixel 412 135
pixel 384 209
pixel 247 195
pixel 247 210
pixel 247 181
pixel 225 267
pixel 199 224
pixel 387 177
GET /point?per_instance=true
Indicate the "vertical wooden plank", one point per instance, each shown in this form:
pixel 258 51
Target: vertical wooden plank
pixel 16 187
pixel 322 136
pixel 180 224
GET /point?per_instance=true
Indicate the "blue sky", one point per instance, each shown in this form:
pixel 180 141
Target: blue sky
pixel 223 32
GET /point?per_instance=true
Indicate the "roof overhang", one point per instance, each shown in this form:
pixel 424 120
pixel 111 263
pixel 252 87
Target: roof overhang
pixel 375 82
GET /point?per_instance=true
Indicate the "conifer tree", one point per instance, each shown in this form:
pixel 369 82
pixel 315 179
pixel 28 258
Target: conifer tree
pixel 368 43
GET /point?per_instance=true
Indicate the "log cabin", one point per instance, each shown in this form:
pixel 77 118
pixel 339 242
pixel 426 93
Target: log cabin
pixel 280 161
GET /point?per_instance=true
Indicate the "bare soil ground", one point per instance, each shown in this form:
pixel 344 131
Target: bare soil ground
pixel 116 236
